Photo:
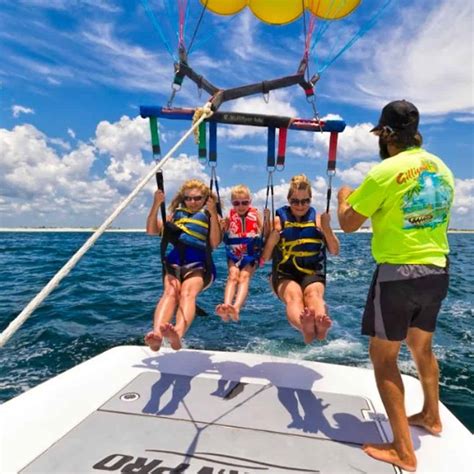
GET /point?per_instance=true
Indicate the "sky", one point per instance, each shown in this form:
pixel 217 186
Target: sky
pixel 73 74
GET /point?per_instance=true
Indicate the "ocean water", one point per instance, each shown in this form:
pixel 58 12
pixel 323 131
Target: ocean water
pixel 109 297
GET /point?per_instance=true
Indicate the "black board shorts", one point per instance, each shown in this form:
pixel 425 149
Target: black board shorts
pixel 276 278
pixel 404 296
pixel 181 272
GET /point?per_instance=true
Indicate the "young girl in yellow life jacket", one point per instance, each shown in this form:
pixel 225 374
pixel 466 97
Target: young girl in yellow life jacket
pixel 243 240
pixel 193 230
pixel 298 245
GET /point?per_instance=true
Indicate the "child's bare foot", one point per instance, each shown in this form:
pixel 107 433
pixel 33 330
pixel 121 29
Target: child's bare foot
pixel 234 312
pixel 386 452
pixel 221 312
pixel 431 424
pixel 153 340
pixel 169 331
pixel 308 325
pixel 322 323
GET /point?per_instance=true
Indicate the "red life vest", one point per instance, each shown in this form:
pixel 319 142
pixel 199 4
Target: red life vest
pixel 241 227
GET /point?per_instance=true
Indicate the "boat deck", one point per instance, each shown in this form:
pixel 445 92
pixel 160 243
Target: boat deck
pixel 131 410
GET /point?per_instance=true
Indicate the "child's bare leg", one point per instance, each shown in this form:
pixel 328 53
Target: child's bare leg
pixel 292 295
pixel 163 312
pixel 246 274
pixel 314 300
pixel 223 310
pixel 190 288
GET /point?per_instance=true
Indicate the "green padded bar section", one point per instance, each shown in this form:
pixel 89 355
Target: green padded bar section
pixel 155 138
pixel 202 141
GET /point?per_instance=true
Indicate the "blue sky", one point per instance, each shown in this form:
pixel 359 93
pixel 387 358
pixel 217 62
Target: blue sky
pixel 73 74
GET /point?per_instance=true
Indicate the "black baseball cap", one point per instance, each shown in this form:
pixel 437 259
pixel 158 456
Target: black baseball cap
pixel 400 115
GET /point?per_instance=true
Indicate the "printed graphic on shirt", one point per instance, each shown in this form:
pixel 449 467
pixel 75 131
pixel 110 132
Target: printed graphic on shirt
pixel 427 203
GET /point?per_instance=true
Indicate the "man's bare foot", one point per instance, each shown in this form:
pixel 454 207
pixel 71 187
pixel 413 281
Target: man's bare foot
pixel 169 331
pixel 222 312
pixel 307 325
pixel 322 323
pixel 387 453
pixel 431 424
pixel 234 312
pixel 153 340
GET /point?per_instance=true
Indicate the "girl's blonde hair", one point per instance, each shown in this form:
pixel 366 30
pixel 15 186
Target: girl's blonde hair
pixel 178 199
pixel 299 183
pixel 239 189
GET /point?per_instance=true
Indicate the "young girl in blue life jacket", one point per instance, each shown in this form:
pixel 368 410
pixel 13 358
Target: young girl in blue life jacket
pixel 243 239
pixel 298 244
pixel 193 230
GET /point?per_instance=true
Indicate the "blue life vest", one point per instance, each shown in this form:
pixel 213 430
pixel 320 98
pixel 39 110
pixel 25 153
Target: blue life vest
pixel 188 233
pixel 301 247
pixel 194 226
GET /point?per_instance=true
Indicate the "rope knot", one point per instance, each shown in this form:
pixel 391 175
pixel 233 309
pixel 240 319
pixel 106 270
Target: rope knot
pixel 198 113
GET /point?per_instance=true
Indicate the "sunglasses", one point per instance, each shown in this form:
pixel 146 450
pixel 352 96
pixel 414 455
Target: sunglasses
pixel 193 198
pixel 246 202
pixel 298 202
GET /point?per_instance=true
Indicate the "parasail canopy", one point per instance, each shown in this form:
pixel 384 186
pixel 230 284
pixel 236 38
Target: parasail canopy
pixel 280 12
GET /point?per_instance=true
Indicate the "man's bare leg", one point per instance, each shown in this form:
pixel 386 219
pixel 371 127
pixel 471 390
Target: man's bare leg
pixel 292 295
pixel 314 300
pixel 384 355
pixel 420 344
pixel 163 312
pixel 242 290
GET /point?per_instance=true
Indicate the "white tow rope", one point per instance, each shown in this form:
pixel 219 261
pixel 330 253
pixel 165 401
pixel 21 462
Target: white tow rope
pixel 53 283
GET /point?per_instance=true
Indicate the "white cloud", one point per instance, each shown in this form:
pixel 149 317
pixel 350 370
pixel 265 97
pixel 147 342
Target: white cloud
pixel 124 142
pixel 305 152
pixel 105 5
pixel 244 168
pixel 424 55
pixel 279 103
pixel 60 143
pixel 242 40
pixel 35 180
pixel 464 199
pixel 71 133
pixel 101 54
pixel 354 143
pixel 40 185
pixel 465 118
pixel 356 174
pixel 260 149
pixel 247 44
pixel 128 136
pixel 17 110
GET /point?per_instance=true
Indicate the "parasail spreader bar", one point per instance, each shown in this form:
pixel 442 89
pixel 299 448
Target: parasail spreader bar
pixel 240 118
pixel 219 95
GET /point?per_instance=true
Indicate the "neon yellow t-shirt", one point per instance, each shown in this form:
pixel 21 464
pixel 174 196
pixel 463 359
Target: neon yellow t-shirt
pixel 408 197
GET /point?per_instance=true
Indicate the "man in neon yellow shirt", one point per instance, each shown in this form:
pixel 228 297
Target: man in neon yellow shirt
pixel 408 197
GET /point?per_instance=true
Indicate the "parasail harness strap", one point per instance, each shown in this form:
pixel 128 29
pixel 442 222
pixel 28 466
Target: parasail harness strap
pixel 331 170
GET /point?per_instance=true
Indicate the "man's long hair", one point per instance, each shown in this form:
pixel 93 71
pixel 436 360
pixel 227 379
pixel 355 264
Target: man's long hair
pixel 399 139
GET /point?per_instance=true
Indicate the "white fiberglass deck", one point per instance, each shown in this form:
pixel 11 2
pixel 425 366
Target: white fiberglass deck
pixel 130 410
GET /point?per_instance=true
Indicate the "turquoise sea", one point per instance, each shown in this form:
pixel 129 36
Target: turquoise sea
pixel 108 300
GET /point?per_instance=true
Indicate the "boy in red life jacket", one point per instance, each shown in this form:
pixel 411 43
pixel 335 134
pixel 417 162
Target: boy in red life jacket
pixel 243 241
